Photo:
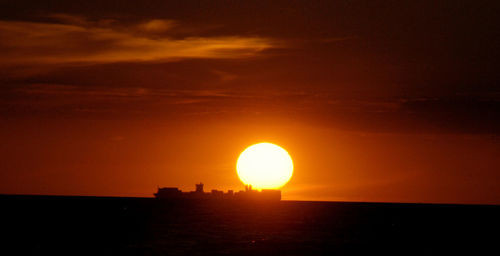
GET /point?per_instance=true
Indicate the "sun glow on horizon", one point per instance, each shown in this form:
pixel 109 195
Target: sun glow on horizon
pixel 265 166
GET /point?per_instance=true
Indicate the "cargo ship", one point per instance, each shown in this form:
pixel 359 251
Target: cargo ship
pixel 199 193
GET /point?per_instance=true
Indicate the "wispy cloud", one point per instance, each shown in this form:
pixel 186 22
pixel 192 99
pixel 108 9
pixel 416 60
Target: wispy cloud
pixel 157 25
pixel 75 40
pixel 168 96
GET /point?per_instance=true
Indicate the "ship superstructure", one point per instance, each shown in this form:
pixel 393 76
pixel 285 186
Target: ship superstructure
pixel 199 193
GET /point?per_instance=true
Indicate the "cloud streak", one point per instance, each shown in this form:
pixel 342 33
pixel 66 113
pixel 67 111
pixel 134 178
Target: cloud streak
pixel 77 41
pixel 131 93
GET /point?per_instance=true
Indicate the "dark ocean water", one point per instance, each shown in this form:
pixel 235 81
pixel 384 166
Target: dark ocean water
pixel 42 225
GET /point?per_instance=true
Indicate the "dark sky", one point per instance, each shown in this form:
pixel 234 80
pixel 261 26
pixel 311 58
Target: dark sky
pixel 374 100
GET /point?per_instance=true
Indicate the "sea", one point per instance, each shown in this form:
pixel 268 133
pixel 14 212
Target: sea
pixel 65 225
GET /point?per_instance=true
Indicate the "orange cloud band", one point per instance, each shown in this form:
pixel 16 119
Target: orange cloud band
pixel 51 43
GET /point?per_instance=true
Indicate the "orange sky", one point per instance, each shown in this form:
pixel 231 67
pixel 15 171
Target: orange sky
pixel 374 101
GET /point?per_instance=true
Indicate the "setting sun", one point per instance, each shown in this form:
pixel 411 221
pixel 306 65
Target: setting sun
pixel 264 166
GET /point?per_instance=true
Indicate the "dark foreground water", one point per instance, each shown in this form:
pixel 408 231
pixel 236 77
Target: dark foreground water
pixel 39 225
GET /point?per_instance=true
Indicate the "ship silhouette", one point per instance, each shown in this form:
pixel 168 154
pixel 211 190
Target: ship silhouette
pixel 199 193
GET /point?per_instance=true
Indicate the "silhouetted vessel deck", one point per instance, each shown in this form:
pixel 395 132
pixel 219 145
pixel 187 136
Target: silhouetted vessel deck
pixel 247 194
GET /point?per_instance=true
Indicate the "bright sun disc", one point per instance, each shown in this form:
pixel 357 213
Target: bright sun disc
pixel 264 166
